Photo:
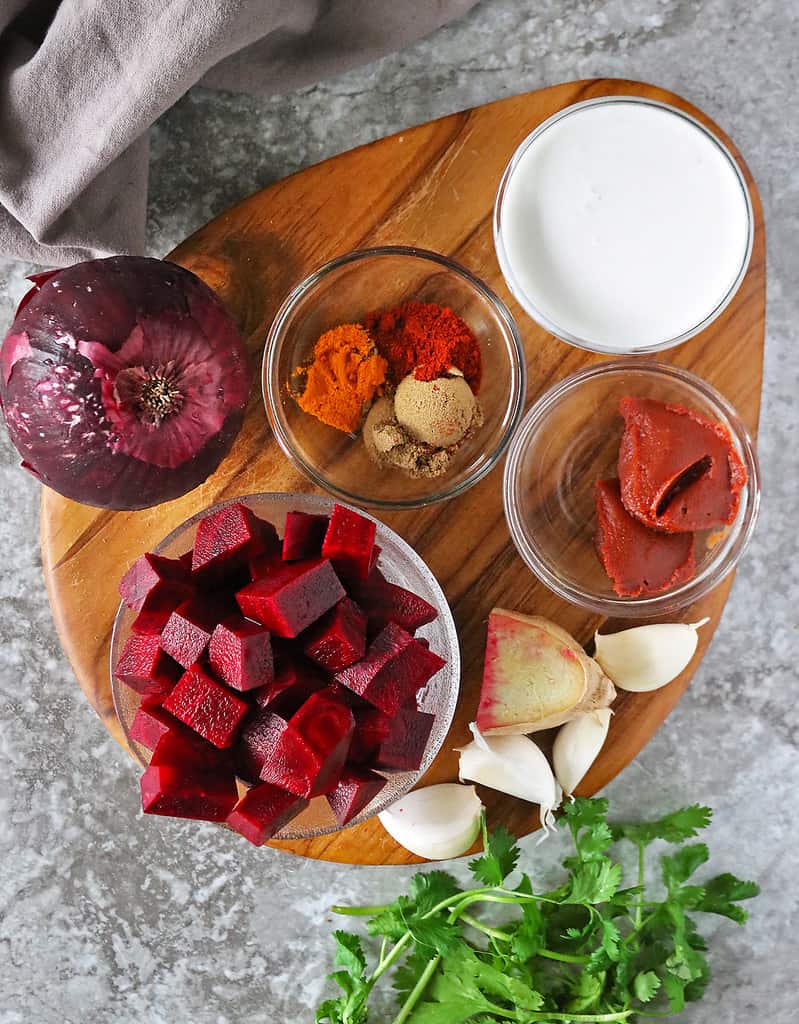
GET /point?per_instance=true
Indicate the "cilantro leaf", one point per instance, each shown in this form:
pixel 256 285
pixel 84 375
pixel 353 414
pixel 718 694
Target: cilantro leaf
pixel 435 933
pixel 673 828
pixel 499 859
pixel 722 893
pixel 349 953
pixel 594 881
pixel 410 971
pixel 430 888
pixel 681 865
pixel 587 991
pixel 391 922
pixel 585 812
pixel 645 986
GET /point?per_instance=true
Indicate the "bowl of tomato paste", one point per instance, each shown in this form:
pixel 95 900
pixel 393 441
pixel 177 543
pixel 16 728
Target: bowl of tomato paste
pixel 632 488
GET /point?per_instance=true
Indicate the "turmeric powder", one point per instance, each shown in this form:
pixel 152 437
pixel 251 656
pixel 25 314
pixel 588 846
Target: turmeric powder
pixel 345 373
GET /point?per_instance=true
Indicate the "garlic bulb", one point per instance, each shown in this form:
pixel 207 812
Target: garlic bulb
pixel 514 765
pixel 647 657
pixel 436 822
pixel 577 746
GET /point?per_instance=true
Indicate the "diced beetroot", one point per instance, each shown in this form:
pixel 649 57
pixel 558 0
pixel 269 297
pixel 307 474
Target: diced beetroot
pixel 263 811
pixel 150 724
pixel 143 663
pixel 157 691
pixel 386 602
pixel 240 653
pixel 311 750
pixel 303 536
pixel 295 680
pixel 257 743
pixel 268 539
pixel 181 792
pixel 264 565
pixel 154 582
pixel 349 542
pixel 339 639
pixel 182 747
pixel 207 707
pixel 292 597
pixel 224 543
pixel 376 553
pixel 188 630
pixel 395 667
pixel 371 728
pixel 356 788
pixel 403 748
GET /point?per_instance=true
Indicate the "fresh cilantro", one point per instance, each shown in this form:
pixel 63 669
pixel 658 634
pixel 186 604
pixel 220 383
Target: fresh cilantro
pixel 673 828
pixel 588 950
pixel 499 859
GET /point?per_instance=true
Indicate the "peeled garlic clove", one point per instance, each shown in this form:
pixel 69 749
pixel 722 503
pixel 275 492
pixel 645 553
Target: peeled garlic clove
pixel 436 822
pixel 647 657
pixel 514 765
pixel 577 745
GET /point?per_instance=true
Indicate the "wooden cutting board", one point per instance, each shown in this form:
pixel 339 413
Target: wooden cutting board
pixel 431 186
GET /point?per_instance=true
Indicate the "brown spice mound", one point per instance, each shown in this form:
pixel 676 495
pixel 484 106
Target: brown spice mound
pixel 343 377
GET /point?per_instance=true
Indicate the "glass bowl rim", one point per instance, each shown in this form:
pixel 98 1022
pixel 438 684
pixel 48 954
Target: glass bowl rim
pixel 322 503
pixel 527 303
pixel 716 569
pixel 270 385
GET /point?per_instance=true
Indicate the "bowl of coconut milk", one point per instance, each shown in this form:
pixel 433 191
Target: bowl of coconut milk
pixel 623 225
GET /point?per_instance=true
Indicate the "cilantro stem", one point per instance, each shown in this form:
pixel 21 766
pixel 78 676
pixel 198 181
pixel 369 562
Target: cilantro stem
pixel 359 911
pixel 416 992
pixel 566 958
pixel 639 903
pixel 497 933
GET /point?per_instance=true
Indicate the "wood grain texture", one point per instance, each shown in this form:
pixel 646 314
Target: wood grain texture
pixel 431 186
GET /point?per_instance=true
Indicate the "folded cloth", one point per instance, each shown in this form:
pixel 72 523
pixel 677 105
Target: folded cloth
pixel 81 81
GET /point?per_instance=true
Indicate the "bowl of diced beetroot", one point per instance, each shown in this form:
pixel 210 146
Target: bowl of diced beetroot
pixel 284 665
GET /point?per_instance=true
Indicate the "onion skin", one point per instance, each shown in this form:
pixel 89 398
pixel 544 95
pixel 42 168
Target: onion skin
pixel 81 334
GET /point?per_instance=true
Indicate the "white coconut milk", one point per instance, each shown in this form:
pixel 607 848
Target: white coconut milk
pixel 624 225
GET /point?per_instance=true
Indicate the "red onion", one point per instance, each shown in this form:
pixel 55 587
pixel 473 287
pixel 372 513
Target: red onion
pixel 123 381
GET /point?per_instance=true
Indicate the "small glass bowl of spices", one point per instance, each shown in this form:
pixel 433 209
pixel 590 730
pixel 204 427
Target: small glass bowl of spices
pixel 393 377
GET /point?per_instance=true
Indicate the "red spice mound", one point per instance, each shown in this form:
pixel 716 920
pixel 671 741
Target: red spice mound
pixel 679 472
pixel 425 339
pixel 641 562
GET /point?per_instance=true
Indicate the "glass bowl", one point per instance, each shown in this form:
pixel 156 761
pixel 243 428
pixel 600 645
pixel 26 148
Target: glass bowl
pixel 400 564
pixel 568 440
pixel 533 303
pixel 343 291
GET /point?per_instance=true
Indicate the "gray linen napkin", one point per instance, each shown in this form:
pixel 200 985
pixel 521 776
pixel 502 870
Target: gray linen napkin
pixel 79 92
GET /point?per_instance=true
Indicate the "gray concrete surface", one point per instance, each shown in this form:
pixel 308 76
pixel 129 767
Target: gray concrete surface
pixel 109 918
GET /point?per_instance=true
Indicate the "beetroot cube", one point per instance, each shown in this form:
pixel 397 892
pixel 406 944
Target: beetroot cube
pixel 356 788
pixel 294 682
pixel 303 536
pixel 224 542
pixel 143 663
pixel 240 653
pixel 154 582
pixel 371 727
pixel 183 792
pixel 188 631
pixel 263 811
pixel 386 602
pixel 182 747
pixel 395 667
pixel 349 542
pixel 150 724
pixel 376 553
pixel 339 639
pixel 403 747
pixel 257 743
pixel 292 597
pixel 311 749
pixel 207 707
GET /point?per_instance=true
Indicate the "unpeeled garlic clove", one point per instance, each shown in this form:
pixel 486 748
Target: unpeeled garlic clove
pixel 511 764
pixel 647 657
pixel 436 822
pixel 577 746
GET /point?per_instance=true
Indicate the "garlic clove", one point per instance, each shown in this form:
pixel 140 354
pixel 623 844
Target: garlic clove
pixel 514 765
pixel 577 746
pixel 647 657
pixel 436 822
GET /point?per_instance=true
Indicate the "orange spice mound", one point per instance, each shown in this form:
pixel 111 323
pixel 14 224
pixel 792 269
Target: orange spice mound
pixel 345 373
